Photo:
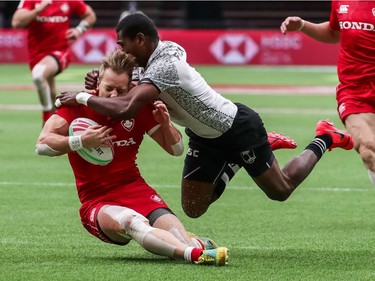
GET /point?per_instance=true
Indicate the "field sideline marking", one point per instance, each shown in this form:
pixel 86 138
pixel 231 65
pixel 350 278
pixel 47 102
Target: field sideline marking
pixel 64 184
pixel 268 110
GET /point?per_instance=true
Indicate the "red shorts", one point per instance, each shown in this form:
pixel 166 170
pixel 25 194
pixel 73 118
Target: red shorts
pixel 62 58
pixel 137 195
pixel 355 98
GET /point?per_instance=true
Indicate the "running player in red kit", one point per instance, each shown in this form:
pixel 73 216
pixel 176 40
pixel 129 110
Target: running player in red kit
pixel 49 37
pixel 352 23
pixel 117 204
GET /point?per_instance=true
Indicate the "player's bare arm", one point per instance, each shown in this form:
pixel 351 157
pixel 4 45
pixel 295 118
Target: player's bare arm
pixel 54 138
pixel 121 107
pixel 22 17
pixel 319 31
pixel 167 136
pixel 88 20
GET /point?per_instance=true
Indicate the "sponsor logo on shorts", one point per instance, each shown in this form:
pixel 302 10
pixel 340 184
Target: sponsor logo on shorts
pixel 92 215
pixel 342 108
pixel 156 198
pixel 192 152
pixel 248 156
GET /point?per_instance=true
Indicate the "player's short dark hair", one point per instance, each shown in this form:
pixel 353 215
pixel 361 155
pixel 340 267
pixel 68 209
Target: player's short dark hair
pixel 135 23
pixel 119 62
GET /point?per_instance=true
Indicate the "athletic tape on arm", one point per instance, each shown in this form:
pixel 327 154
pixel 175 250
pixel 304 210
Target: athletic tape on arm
pixel 45 150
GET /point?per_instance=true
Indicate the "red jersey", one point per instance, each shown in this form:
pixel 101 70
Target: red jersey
pixel 93 181
pixel 46 33
pixel 356 22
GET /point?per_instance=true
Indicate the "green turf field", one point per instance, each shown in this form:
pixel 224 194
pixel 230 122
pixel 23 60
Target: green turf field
pixel 325 231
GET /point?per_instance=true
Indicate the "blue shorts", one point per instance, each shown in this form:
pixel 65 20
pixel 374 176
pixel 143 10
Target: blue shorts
pixel 245 143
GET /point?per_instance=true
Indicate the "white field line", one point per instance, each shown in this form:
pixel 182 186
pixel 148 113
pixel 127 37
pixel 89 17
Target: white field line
pixel 222 89
pixel 65 184
pixel 268 110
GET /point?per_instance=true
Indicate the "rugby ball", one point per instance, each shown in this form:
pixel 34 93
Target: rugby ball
pixel 102 155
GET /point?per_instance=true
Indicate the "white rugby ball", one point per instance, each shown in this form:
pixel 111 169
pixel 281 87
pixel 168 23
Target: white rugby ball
pixel 98 155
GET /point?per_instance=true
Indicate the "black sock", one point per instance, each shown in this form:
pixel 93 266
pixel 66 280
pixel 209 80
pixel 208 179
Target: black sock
pixel 229 171
pixel 319 145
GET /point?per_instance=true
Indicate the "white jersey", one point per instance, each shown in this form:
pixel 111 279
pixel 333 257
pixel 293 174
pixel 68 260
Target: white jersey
pixel 191 102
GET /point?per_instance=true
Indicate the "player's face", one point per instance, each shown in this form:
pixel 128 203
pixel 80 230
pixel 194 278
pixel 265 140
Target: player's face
pixel 135 47
pixel 113 84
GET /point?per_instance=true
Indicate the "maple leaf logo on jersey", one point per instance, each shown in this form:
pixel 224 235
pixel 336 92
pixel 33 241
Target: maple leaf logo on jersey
pixel 128 124
pixel 64 7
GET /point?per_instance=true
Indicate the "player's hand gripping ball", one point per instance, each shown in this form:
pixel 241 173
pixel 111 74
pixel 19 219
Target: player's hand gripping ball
pixel 102 155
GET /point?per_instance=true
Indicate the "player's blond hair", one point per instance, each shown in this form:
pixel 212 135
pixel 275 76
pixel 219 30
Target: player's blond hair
pixel 119 62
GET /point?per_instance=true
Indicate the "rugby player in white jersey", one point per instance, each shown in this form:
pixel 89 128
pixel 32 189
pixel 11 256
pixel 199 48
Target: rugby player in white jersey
pixel 223 135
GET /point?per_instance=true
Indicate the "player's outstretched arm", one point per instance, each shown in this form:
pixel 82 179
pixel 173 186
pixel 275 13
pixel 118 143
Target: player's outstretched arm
pixel 319 31
pixel 88 20
pixel 120 107
pixel 22 17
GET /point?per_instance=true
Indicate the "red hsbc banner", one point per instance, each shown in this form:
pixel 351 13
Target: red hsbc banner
pixel 224 47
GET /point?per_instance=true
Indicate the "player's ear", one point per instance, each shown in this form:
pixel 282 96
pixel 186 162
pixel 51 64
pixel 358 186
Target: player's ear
pixel 97 84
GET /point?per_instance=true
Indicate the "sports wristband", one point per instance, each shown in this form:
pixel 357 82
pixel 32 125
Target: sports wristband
pixel 178 148
pixel 82 26
pixel 82 98
pixel 75 143
pixel 302 25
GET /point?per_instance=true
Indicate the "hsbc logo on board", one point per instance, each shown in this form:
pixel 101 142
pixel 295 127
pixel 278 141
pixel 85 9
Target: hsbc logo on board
pixel 91 47
pixel 234 48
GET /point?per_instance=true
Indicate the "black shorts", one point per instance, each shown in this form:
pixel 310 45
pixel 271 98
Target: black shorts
pixel 245 143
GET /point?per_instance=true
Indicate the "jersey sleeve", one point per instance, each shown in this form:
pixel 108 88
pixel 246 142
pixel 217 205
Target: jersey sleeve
pixel 333 20
pixel 69 113
pixel 79 8
pixel 168 69
pixel 26 4
pixel 146 118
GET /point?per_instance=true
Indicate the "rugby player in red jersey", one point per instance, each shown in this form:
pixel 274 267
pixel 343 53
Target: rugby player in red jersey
pixel 223 135
pixel 352 24
pixel 49 37
pixel 117 204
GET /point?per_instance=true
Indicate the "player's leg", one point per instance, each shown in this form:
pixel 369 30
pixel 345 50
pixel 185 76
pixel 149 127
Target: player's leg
pixel 41 74
pixel 164 219
pixel 279 184
pixel 362 129
pixel 117 221
pixel 277 141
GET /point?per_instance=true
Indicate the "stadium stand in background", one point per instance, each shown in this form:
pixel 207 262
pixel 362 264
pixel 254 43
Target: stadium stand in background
pixel 200 14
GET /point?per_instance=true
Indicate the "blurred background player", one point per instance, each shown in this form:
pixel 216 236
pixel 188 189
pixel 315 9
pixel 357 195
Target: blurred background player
pixel 49 37
pixel 352 24
pixel 117 204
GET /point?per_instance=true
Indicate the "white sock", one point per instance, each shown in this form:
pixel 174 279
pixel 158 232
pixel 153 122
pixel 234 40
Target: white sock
pixel 371 175
pixel 187 254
